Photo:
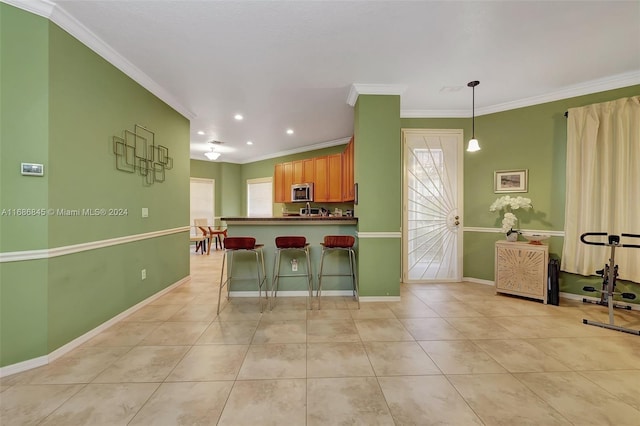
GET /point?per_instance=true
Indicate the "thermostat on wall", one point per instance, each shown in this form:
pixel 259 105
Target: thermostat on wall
pixel 32 169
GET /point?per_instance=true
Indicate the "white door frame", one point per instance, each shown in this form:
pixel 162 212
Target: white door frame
pixel 458 133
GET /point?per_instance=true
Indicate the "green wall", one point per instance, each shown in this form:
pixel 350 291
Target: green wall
pixel 378 173
pixel 24 86
pixel 228 185
pixel 531 138
pixel 61 106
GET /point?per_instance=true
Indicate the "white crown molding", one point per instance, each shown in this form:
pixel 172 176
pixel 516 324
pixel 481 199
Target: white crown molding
pixel 594 86
pixel 358 89
pixel 56 14
pixel 59 16
pixel 17 256
pixel 434 113
pixel 307 148
pixel 42 8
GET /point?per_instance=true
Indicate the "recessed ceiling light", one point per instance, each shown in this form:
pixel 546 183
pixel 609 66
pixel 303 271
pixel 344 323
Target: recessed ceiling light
pixel 450 88
pixel 249 143
pixel 289 131
pixel 200 132
pixel 238 117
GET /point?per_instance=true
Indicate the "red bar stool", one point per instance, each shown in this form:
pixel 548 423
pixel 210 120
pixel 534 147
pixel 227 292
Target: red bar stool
pixel 291 244
pixel 339 243
pixel 246 244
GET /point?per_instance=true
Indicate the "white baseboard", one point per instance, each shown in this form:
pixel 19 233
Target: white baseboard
pixel 293 293
pixel 329 293
pixel 477 280
pixel 365 299
pixel 63 350
pixel 24 366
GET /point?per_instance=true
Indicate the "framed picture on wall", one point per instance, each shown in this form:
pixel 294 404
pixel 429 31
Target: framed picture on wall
pixel 511 180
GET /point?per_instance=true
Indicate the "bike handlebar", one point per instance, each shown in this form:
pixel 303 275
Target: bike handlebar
pixel 613 239
pixel 631 236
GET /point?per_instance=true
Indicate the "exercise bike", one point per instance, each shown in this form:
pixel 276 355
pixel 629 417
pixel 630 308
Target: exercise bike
pixel 609 275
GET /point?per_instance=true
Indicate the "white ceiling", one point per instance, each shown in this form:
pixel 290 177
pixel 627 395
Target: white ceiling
pixel 291 64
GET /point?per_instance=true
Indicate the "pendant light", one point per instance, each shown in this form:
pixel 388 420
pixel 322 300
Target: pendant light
pixel 473 143
pixel 214 154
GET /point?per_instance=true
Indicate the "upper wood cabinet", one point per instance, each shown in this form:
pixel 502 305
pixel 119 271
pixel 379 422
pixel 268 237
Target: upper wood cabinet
pixel 348 179
pixel 278 183
pixel 308 170
pixel 282 181
pixel 334 171
pixel 298 172
pixel 288 181
pixel 320 179
pixel 332 176
pixel 328 179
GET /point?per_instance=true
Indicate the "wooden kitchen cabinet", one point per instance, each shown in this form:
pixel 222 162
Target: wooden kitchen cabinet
pixel 328 179
pixel 308 170
pixel 521 269
pixel 332 176
pixel 298 172
pixel 282 181
pixel 278 183
pixel 288 181
pixel 320 179
pixel 348 179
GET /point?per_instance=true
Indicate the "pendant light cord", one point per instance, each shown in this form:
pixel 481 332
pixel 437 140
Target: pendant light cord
pixel 473 112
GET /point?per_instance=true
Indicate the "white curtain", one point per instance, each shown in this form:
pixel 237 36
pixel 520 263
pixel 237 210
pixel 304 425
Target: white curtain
pixel 603 185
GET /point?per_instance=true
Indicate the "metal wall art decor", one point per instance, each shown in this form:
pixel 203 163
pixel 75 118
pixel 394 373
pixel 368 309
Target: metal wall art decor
pixel 137 151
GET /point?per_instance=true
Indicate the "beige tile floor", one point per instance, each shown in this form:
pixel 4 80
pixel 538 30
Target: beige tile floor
pixel 453 354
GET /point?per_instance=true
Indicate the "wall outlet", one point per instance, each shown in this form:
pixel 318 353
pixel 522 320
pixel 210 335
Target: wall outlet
pixel 294 265
pixel 143 274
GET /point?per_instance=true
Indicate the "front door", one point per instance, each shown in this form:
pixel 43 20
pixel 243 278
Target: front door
pixel 432 205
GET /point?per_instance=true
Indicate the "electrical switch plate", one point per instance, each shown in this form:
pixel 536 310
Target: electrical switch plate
pixel 143 274
pixel 294 265
pixel 145 212
pixel 32 169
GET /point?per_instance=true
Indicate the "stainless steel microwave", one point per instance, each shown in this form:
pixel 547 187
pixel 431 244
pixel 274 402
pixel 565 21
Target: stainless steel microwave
pixel 302 192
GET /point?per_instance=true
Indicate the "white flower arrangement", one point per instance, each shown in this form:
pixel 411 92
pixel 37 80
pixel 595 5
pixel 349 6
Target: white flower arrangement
pixel 507 204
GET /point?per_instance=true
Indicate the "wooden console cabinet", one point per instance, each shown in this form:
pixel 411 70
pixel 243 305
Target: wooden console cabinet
pixel 521 269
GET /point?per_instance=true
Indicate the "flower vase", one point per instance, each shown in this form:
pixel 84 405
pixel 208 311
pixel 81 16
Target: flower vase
pixel 513 236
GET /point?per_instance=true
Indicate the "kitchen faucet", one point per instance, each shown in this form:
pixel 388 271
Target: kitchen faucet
pixel 308 209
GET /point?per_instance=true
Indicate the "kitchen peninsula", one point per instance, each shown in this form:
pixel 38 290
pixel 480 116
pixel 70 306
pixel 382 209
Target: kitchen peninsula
pixel 314 228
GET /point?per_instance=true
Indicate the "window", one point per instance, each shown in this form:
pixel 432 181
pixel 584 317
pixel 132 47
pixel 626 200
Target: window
pixel 202 201
pixel 603 182
pixel 260 197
